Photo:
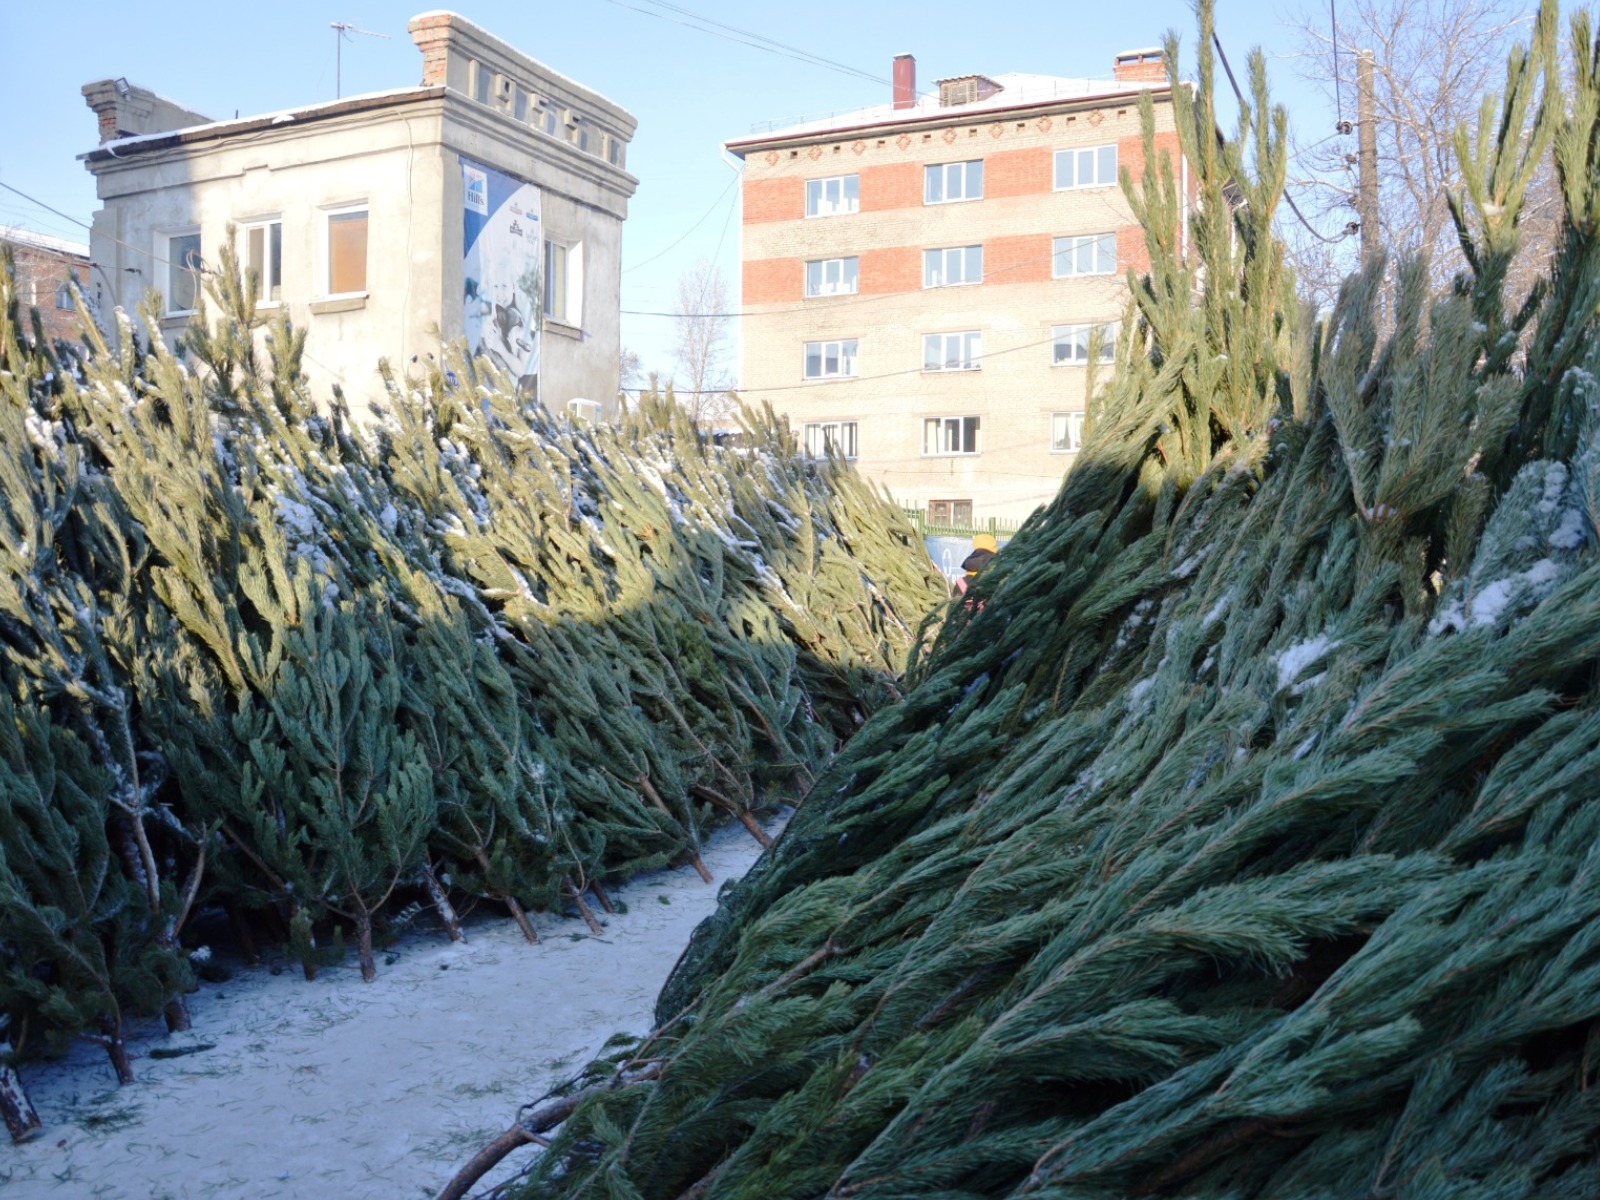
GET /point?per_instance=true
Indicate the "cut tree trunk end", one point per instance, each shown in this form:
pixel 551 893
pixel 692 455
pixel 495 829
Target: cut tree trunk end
pixel 583 909
pixel 747 819
pixel 177 1015
pixel 441 903
pixel 522 920
pixel 700 866
pixel 116 1049
pixel 22 1119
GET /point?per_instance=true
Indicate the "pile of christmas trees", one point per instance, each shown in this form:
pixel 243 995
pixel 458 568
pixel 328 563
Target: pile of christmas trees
pixel 1240 837
pixel 255 657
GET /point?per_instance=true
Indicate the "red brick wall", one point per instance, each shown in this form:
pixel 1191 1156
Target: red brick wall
pixel 895 269
pixel 1130 153
pixel 1018 172
pixel 1024 258
pixel 774 200
pixel 1131 250
pixel 773 280
pixel 897 185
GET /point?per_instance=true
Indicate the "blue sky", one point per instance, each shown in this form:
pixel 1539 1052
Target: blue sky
pixel 689 89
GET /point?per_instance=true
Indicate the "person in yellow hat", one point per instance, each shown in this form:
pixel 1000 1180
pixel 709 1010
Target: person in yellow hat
pixel 984 548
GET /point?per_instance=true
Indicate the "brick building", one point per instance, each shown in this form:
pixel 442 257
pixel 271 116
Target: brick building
pixel 46 269
pixel 923 280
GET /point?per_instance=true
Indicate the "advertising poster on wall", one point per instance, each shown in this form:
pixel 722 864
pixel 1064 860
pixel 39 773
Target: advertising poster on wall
pixel 502 249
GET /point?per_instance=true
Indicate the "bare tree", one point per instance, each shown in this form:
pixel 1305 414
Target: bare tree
pixel 701 344
pixel 1433 63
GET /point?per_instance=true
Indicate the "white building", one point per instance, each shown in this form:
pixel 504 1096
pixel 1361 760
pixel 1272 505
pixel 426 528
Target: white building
pixel 485 202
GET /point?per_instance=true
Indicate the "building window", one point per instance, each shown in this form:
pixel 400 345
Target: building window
pixel 833 197
pixel 1089 254
pixel 547 117
pixel 557 282
pixel 1091 166
pixel 614 151
pixel 347 251
pixel 64 293
pixel 1066 431
pixel 950 435
pixel 182 252
pixel 830 360
pixel 831 277
pixel 519 104
pixel 835 437
pixel 263 254
pixel 482 77
pixel 951 266
pixel 952 351
pixel 950 512
pixel 1070 343
pixel 943 183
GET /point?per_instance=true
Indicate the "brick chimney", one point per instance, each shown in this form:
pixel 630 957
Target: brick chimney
pixel 125 109
pixel 905 81
pixel 1141 66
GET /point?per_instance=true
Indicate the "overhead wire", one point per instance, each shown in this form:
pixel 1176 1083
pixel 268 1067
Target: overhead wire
pixel 745 37
pixel 1287 198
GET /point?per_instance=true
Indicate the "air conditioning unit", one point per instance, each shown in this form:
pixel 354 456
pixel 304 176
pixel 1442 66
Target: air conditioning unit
pixel 584 410
pixel 503 88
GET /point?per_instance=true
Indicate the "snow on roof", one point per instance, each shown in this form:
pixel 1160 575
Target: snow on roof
pixel 281 117
pixel 1016 90
pixel 42 241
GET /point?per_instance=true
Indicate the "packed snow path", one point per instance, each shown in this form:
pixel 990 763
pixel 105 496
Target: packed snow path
pixel 339 1088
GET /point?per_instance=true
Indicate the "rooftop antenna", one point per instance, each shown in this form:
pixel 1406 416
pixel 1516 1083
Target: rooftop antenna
pixel 341 31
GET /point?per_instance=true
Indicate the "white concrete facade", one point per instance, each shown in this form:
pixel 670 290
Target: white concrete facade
pixel 299 182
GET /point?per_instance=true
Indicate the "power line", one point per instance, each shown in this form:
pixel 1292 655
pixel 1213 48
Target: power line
pixel 699 222
pixel 1287 198
pixel 745 37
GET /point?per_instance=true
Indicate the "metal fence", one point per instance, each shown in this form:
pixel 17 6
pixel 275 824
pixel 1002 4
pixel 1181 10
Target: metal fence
pixel 999 527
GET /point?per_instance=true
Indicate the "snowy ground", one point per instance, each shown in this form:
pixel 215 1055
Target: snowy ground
pixel 342 1089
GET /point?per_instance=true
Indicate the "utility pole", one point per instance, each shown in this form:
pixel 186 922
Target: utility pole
pixel 1367 145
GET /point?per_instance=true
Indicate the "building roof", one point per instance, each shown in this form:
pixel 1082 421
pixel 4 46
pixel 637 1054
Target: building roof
pixel 1016 90
pixel 216 130
pixel 42 241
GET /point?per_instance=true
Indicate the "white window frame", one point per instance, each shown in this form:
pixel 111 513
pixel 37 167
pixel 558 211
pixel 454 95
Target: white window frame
pixel 844 355
pixel 1066 432
pixel 966 175
pixel 965 432
pixel 568 288
pixel 329 214
pixel 1075 339
pixel 266 285
pixel 1064 253
pixel 833 276
pixel 968 351
pixel 952 266
pixel 1100 160
pixel 819 437
pixel 848 200
pixel 164 257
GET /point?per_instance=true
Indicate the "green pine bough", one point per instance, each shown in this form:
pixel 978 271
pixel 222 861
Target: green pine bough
pixel 259 656
pixel 1242 838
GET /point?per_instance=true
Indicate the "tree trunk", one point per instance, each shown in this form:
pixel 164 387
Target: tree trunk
pixel 441 902
pixel 116 1049
pixel 522 920
pixel 583 909
pixel 21 1118
pixel 369 967
pixel 599 890
pixel 177 1015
